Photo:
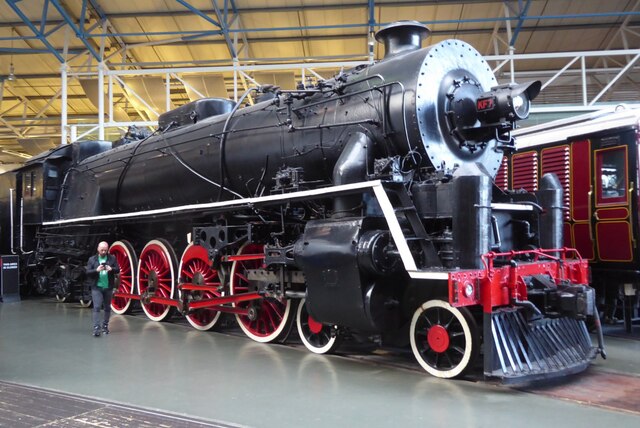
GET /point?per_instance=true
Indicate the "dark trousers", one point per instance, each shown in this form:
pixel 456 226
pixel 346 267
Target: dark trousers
pixel 101 297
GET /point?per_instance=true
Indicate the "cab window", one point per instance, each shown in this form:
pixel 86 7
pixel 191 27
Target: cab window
pixel 611 175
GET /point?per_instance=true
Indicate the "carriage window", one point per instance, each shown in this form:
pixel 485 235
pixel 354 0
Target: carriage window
pixel 612 175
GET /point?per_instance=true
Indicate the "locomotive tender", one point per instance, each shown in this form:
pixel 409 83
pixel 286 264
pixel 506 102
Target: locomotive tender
pixel 362 206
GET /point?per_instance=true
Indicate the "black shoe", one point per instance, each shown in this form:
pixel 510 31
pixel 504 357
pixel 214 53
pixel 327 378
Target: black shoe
pixel 96 332
pixel 105 329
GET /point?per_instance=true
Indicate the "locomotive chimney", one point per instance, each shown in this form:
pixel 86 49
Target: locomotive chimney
pixel 401 37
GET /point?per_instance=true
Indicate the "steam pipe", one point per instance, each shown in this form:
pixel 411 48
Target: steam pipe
pixel 351 168
pixel 550 197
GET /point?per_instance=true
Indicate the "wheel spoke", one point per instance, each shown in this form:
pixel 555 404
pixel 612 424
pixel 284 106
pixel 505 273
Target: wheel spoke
pixel 428 321
pixel 241 277
pixel 447 325
pixel 273 309
pixel 458 349
pixel 275 315
pixel 324 335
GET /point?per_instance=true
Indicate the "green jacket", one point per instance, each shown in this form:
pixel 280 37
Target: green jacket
pixel 92 275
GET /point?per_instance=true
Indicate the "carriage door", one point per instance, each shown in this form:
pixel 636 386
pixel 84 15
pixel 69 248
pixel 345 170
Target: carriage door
pixel 612 197
pixel 581 205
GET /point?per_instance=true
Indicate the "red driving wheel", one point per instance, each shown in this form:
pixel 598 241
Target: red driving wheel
pixel 270 319
pixel 195 269
pixel 156 274
pixel 126 257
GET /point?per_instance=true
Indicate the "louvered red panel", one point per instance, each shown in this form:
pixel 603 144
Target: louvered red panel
pixel 524 171
pixel 502 177
pixel 556 160
pixel 581 180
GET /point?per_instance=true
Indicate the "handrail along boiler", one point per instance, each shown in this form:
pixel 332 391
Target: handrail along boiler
pixel 361 207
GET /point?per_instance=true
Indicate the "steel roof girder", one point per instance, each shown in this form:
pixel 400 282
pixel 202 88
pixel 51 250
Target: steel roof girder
pixel 200 13
pixel 25 51
pixel 372 18
pixel 79 32
pixel 235 20
pixel 222 17
pixel 41 113
pixel 522 15
pixel 54 29
pixel 615 79
pixel 371 45
pixel 43 20
pixel 83 14
pixel 41 37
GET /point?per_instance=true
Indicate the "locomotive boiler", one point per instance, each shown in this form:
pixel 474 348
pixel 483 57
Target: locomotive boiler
pixel 361 207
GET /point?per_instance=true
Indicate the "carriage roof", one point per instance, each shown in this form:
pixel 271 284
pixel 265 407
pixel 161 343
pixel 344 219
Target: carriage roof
pixel 620 116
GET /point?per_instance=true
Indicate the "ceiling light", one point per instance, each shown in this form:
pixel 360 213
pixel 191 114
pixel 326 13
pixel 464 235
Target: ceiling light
pixel 12 75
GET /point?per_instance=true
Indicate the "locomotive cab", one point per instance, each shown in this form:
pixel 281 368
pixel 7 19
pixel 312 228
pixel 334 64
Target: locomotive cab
pixel 41 179
pixel 51 261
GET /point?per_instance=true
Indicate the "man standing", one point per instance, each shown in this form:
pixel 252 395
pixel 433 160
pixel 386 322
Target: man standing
pixel 101 270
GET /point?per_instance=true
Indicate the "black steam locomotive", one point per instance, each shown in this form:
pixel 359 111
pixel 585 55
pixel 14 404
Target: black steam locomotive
pixel 361 207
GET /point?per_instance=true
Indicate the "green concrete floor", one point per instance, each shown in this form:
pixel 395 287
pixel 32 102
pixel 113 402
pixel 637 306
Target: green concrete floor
pixel 230 379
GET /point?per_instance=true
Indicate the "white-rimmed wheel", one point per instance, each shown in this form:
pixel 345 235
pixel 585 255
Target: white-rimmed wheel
pixel 62 286
pixel 85 303
pixel 128 262
pixel 195 269
pixel 444 339
pixel 317 337
pixel 156 277
pixel 269 319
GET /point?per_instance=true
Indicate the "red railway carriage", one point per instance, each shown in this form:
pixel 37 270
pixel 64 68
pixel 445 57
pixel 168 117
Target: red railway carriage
pixel 596 159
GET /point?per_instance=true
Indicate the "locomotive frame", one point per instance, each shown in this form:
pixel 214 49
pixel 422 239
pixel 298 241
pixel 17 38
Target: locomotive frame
pixel 362 206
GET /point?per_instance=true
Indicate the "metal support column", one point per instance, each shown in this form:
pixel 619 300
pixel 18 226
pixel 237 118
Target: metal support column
pixel 63 99
pixel 101 68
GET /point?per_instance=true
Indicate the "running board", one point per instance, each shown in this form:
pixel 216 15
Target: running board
pixel 517 350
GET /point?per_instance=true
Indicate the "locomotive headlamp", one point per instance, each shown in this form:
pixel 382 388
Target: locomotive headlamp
pixel 476 117
pixel 521 106
pixel 506 103
pixel 468 290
